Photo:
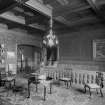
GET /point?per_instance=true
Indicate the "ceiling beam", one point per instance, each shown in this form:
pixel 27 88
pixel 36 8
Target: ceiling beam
pixel 21 1
pixel 22 13
pixel 36 19
pixel 81 8
pixel 63 22
pixel 21 21
pixel 72 11
pixel 83 21
pixel 12 17
pixel 48 1
pixel 8 8
pixel 80 21
pixel 31 19
pixel 35 5
pixel 14 3
pixel 101 2
pixel 76 10
pixel 96 9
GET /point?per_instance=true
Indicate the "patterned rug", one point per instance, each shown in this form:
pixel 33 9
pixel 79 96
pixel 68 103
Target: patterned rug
pixel 59 96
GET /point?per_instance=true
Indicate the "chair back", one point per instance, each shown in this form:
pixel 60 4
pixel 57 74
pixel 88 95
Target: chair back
pixel 3 74
pixel 99 79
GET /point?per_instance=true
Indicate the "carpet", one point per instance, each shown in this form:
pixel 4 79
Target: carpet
pixel 59 96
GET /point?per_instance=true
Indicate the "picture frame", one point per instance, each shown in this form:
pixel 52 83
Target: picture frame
pixel 99 49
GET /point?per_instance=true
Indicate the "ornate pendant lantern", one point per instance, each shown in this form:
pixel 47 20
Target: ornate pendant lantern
pixel 50 46
pixel 51 39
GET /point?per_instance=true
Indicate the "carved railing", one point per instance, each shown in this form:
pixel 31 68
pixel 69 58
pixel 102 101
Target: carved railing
pixel 78 76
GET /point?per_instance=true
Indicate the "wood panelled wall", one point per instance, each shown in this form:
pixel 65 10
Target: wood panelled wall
pixel 76 47
pixel 18 36
pixel 13 37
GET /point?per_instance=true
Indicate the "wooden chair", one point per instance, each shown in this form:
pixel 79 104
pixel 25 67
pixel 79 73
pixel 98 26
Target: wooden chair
pixel 97 86
pixel 7 81
pixel 2 76
pixel 67 77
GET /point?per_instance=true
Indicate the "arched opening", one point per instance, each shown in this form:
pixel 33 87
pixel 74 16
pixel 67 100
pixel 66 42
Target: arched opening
pixel 28 58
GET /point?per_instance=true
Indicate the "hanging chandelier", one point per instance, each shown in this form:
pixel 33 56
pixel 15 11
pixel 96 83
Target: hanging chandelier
pixel 50 40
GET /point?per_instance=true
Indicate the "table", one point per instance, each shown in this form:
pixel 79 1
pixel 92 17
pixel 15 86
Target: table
pixel 93 86
pixel 46 83
pixel 40 80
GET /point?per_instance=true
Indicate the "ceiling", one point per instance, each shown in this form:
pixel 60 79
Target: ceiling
pixel 74 12
pixel 4 4
pixel 18 15
pixel 66 13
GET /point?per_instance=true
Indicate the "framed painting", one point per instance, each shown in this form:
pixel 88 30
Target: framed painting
pixel 99 49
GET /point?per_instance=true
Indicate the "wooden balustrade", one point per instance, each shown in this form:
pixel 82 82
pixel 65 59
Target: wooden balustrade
pixel 78 76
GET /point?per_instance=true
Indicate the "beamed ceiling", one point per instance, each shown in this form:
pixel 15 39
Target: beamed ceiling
pixel 73 12
pixel 66 14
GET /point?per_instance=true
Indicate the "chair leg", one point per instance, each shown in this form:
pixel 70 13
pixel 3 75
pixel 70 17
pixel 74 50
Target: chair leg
pixel 8 88
pixel 14 82
pixel 90 92
pixel 36 87
pixel 44 93
pixel 28 90
pixel 97 91
pixel 70 83
pixel 67 84
pixel 85 89
pixel 101 92
pixel 50 88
